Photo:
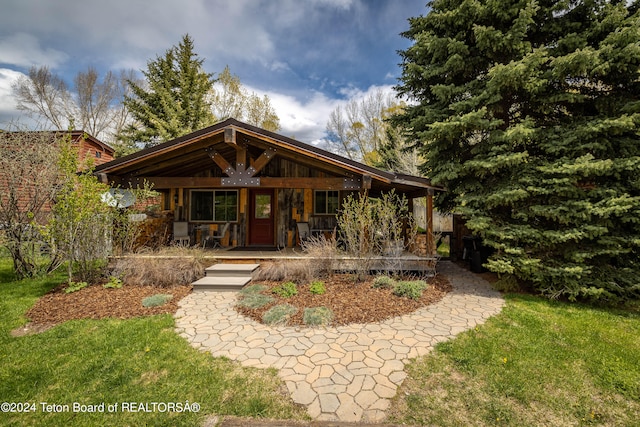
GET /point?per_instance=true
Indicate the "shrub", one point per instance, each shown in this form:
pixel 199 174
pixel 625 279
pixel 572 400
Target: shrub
pixel 255 300
pixel 279 315
pixel 322 255
pixel 75 286
pixel 317 316
pixel 156 300
pixel 384 282
pixel 294 271
pixel 376 227
pixel 317 288
pixel 253 289
pixel 410 289
pixel 113 283
pixel 285 290
pixel 158 271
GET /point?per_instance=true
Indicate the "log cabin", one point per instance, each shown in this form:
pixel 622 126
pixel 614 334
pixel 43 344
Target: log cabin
pixel 258 182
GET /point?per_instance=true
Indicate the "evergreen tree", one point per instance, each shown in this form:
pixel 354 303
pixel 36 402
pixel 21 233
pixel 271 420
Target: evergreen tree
pixel 174 100
pixel 528 112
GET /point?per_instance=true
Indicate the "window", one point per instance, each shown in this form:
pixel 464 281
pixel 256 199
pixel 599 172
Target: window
pixel 263 206
pixel 98 155
pixel 214 205
pixel 326 202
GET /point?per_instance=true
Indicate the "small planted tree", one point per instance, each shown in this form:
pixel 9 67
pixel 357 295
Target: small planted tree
pixel 80 230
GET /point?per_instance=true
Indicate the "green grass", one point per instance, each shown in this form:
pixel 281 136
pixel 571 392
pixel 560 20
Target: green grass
pixel 538 363
pixel 114 361
pixel 444 250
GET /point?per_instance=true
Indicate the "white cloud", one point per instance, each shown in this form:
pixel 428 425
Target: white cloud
pixel 7 101
pixel 306 120
pixel 10 116
pixel 303 120
pixel 24 50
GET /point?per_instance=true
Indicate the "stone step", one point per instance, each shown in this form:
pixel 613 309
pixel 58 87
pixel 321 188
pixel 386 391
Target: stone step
pixel 220 283
pixel 231 270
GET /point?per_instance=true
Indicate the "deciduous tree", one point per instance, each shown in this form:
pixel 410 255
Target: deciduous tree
pixel 44 95
pixel 528 112
pixel 95 104
pixel 229 98
pixel 357 130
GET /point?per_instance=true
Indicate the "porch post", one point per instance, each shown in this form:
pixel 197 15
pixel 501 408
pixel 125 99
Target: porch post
pixel 431 244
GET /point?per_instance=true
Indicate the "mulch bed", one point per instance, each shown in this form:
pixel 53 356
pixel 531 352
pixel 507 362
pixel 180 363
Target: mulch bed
pixel 351 302
pixel 97 302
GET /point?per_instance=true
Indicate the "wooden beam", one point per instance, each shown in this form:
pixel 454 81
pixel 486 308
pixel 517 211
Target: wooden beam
pixel 230 136
pixel 241 159
pixel 164 182
pixel 312 183
pixel 366 182
pixel 262 161
pixel 221 162
pixel 431 244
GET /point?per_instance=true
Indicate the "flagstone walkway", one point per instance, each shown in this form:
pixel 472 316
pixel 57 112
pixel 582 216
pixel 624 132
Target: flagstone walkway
pixel 345 373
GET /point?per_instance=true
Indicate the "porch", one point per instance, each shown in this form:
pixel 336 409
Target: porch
pixel 406 261
pixel 235 185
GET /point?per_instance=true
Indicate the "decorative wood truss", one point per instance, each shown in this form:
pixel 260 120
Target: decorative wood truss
pixel 180 164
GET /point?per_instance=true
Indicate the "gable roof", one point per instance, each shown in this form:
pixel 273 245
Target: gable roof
pixel 76 135
pixel 190 149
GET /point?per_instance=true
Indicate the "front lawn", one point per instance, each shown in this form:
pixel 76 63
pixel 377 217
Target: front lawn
pixel 123 362
pixel 538 363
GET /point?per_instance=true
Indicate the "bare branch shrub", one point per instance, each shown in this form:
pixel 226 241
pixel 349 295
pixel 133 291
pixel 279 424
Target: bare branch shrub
pixel 377 229
pixel 396 230
pixel 29 184
pixel 323 254
pixel 357 224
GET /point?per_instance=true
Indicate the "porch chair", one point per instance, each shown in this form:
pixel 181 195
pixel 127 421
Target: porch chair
pixel 304 233
pixel 181 233
pixel 217 238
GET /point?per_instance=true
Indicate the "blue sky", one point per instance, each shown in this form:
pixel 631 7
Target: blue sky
pixel 309 56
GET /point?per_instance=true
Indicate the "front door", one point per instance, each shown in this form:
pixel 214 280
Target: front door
pixel 261 217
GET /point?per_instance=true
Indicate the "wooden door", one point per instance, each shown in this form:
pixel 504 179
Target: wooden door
pixel 261 229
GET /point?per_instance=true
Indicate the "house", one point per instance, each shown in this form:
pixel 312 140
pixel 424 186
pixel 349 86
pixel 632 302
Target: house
pixel 21 186
pixel 260 183
pixel 90 147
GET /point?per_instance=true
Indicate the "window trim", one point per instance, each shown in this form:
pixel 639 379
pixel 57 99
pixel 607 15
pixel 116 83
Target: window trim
pixel 213 209
pixel 326 208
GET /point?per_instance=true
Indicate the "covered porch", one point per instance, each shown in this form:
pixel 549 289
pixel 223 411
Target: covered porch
pixel 235 185
pixel 408 261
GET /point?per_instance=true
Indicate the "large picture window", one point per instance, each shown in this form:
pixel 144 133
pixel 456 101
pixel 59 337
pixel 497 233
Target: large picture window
pixel 214 205
pixel 326 202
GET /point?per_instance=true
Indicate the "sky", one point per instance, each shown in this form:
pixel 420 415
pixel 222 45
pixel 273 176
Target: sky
pixel 308 56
